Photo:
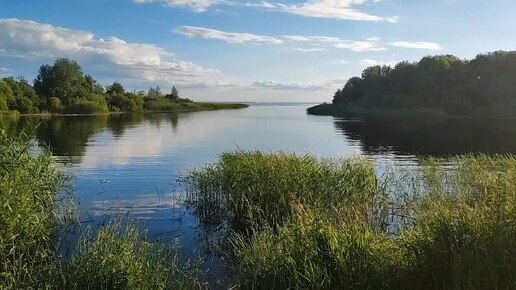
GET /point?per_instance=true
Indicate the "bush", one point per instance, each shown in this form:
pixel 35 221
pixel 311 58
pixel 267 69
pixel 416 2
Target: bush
pixel 56 106
pixel 87 107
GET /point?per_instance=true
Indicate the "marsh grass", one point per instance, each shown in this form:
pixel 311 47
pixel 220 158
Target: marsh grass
pixel 251 190
pixel 29 214
pixel 120 256
pixel 296 221
pixel 36 211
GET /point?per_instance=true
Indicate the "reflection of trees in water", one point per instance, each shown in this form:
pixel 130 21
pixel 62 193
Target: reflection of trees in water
pixel 69 135
pixel 431 137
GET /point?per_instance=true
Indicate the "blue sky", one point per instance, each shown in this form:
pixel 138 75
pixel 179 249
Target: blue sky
pixel 227 50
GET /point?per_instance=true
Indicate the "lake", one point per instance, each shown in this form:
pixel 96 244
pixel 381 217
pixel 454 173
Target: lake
pixel 131 162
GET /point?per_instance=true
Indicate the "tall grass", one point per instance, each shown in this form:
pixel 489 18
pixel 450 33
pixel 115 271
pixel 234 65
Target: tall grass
pixel 29 184
pixel 319 224
pixel 119 256
pixel 33 213
pixel 251 190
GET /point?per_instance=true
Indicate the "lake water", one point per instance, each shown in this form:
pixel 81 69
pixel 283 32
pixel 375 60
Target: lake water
pixel 131 162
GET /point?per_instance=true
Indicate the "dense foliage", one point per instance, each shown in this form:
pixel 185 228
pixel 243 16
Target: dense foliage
pixel 293 222
pixel 485 85
pixel 64 88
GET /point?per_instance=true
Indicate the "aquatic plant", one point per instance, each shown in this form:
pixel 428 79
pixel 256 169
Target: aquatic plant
pixel 333 230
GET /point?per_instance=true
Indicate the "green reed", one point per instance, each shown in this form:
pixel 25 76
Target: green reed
pixel 295 221
pixel 29 185
pixel 36 209
pixel 120 256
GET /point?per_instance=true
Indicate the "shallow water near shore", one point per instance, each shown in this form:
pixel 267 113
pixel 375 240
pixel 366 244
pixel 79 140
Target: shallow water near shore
pixel 131 163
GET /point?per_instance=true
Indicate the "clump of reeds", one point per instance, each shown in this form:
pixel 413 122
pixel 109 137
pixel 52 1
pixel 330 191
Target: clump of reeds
pixel 318 224
pixel 119 256
pixel 253 189
pixel 29 185
pixel 33 211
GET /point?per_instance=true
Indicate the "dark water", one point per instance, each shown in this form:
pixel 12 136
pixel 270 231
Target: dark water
pixel 130 163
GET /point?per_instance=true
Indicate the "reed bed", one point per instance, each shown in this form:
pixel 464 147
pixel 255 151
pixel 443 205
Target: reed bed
pixel 29 184
pixel 120 256
pixel 299 222
pixel 35 210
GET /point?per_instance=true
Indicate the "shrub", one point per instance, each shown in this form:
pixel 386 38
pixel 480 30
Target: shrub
pixel 87 107
pixel 56 106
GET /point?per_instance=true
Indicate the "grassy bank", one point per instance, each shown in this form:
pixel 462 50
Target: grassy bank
pixel 35 210
pixel 292 221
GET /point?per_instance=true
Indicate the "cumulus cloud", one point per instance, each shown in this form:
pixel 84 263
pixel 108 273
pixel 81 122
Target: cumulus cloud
pixel 417 45
pixel 229 37
pixel 138 63
pixel 196 5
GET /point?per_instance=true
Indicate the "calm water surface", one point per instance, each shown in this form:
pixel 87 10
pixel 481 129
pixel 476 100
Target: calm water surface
pixel 131 162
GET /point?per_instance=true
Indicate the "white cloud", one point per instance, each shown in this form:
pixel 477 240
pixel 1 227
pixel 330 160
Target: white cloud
pixel 361 46
pixel 196 5
pixel 370 44
pixel 312 39
pixel 274 85
pixel 373 62
pixel 417 45
pixel 139 64
pixel 336 9
pixel 303 49
pixel 319 43
pixel 5 71
pixel 229 37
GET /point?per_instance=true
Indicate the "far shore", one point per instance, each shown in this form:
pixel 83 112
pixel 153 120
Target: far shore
pixel 218 106
pixel 329 109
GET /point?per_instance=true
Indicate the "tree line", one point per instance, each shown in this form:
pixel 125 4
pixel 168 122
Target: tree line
pixel 483 85
pixel 64 88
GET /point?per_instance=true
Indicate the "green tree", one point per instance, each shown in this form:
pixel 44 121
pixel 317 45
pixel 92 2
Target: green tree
pixel 6 95
pixel 63 80
pixel 174 93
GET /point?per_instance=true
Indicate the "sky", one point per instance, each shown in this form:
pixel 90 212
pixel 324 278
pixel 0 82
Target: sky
pixel 230 50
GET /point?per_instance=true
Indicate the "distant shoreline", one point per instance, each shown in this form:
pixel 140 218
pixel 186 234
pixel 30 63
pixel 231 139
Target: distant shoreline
pixel 327 109
pixel 209 107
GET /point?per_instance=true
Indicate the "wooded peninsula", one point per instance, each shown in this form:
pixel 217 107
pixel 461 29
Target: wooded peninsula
pixel 63 88
pixel 437 85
